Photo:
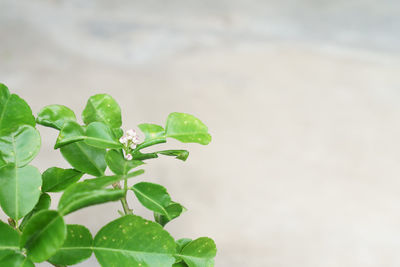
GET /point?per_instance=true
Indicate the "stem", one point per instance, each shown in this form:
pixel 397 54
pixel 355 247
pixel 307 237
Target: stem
pixel 124 202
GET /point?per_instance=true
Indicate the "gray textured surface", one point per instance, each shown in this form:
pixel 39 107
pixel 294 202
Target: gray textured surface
pixel 301 98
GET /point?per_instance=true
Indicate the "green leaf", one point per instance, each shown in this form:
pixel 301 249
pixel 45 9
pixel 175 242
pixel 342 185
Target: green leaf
pixel 187 129
pixel 57 179
pixel 199 253
pixel 100 135
pixel 71 132
pixel 118 164
pixel 19 189
pixel 156 198
pixel 55 116
pixel 9 239
pixel 181 243
pixel 14 112
pixel 76 248
pixel 179 154
pixel 91 192
pixel 85 158
pixel 152 131
pixel 43 235
pixel 133 241
pixel 173 209
pixel 43 204
pixel 179 264
pixel 20 147
pixel 16 259
pixel 102 108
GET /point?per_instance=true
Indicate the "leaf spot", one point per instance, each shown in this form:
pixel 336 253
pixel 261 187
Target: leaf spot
pixel 104 237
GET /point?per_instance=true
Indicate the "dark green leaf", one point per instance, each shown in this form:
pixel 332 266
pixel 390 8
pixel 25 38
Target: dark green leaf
pixel 19 189
pixel 71 132
pixel 76 248
pixel 43 235
pixel 156 198
pixel 100 135
pixel 187 129
pixel 179 154
pixel 133 241
pixel 55 116
pixel 21 146
pixel 91 192
pixel 199 253
pixel 180 264
pixel 16 259
pixel 57 179
pixel 152 131
pixel 85 158
pixel 174 210
pixel 102 108
pixel 14 112
pixel 9 239
pixel 43 204
pixel 118 164
pixel 181 243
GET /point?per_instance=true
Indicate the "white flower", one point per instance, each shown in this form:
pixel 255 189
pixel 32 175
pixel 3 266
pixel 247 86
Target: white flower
pixel 131 133
pixel 128 157
pixel 123 140
pixel 133 146
pixel 135 140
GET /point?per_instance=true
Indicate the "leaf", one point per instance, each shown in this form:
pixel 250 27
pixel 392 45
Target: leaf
pixel 20 147
pixel 14 112
pixel 179 264
pixel 178 154
pixel 199 253
pixel 174 210
pixel 133 241
pixel 43 235
pixel 19 189
pixel 43 204
pixel 156 198
pixel 85 158
pixel 16 259
pixel 71 132
pixel 152 131
pixel 76 248
pixel 100 135
pixel 102 108
pixel 118 164
pixel 9 239
pixel 91 192
pixel 181 243
pixel 187 129
pixel 57 179
pixel 55 116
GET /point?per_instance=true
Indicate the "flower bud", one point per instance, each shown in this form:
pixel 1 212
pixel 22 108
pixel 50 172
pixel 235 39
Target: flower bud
pixel 131 133
pixel 128 157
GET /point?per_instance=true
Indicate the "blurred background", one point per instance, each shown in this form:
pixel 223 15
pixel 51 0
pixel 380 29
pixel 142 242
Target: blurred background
pixel 301 97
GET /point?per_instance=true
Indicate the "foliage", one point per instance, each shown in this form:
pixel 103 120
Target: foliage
pixel 35 233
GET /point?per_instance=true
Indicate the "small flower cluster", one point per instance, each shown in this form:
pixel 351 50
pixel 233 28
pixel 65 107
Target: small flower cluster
pixel 130 141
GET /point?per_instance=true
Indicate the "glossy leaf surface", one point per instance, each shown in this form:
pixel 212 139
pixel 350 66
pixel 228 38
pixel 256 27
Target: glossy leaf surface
pixel 133 241
pixel 199 253
pixel 9 239
pixel 178 154
pixel 187 129
pixel 14 112
pixel 173 210
pixel 55 116
pixel 100 135
pixel 57 179
pixel 71 132
pixel 102 108
pixel 16 259
pixel 43 235
pixel 118 164
pixel 19 189
pixel 85 158
pixel 76 248
pixel 43 204
pixel 20 147
pixel 152 131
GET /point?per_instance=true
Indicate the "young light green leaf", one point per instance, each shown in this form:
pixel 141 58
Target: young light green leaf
pixel 14 112
pixel 43 204
pixel 156 198
pixel 173 209
pixel 9 239
pixel 100 135
pixel 91 192
pixel 20 147
pixel 19 189
pixel 16 259
pixel 55 116
pixel 199 253
pixel 102 108
pixel 178 154
pixel 58 179
pixel 118 164
pixel 181 243
pixel 133 241
pixel 85 158
pixel 152 131
pixel 43 235
pixel 76 248
pixel 187 129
